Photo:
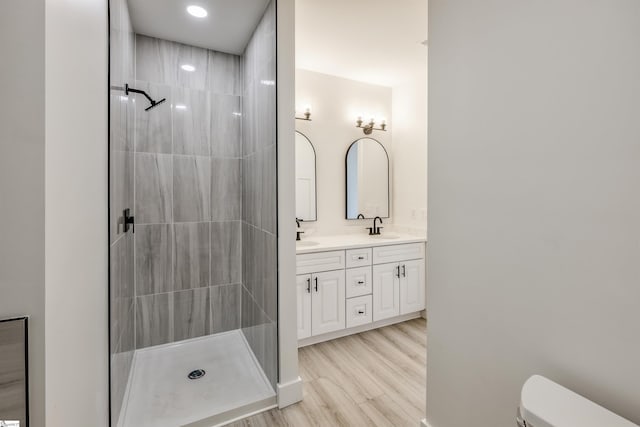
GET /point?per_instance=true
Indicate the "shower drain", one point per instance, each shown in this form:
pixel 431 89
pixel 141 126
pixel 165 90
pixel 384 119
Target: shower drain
pixel 197 374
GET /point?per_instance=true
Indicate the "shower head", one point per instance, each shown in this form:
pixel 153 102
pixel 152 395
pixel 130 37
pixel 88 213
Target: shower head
pixel 154 103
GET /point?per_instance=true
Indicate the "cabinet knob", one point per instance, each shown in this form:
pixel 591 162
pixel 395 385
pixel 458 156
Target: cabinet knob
pixel 360 282
pixel 360 257
pixel 360 311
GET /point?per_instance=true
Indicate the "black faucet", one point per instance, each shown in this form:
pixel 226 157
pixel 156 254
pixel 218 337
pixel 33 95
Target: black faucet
pixel 375 231
pixel 298 232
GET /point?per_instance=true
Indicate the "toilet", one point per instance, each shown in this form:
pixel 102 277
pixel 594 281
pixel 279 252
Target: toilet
pixel 544 403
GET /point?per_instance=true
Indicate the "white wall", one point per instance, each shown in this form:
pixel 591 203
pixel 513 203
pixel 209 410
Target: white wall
pixel 22 180
pixel 410 151
pixel 289 382
pixel 76 213
pixel 335 104
pixel 534 146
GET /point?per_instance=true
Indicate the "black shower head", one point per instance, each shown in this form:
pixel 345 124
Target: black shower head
pixel 154 104
pixel 128 89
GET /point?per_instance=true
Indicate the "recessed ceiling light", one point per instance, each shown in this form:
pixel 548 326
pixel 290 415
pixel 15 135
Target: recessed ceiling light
pixel 181 107
pixel 197 11
pixel 188 67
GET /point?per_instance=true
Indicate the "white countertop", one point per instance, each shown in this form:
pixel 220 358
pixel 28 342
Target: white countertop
pixel 313 243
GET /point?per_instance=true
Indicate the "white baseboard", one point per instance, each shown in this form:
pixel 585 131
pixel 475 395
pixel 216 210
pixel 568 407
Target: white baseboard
pixel 356 330
pixel 289 393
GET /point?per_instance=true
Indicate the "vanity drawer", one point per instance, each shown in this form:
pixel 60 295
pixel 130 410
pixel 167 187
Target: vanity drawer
pixel 359 257
pixel 396 253
pixel 359 281
pixel 321 261
pixel 359 311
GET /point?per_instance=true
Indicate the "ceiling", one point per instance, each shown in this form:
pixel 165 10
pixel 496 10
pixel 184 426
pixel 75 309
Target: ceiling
pixel 227 28
pixel 373 41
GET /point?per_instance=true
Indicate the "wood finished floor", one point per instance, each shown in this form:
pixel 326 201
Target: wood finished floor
pixel 375 378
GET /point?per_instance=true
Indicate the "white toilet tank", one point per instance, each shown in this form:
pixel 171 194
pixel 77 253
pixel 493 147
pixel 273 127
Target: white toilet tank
pixel 544 403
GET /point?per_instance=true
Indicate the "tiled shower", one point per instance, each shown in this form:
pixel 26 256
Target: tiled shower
pixel 198 173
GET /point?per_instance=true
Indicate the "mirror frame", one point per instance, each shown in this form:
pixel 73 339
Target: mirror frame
pixel 346 180
pixel 315 172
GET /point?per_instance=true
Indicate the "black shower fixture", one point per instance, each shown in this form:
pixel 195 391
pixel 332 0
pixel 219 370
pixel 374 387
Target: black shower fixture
pixel 128 89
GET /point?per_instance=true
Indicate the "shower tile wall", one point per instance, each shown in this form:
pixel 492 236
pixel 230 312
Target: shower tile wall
pixel 188 240
pixel 122 340
pixel 259 239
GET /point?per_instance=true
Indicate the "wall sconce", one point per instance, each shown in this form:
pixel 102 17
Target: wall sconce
pixel 370 127
pixel 307 115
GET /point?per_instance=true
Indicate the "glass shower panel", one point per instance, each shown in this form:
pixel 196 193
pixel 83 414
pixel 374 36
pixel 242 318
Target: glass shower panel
pixel 193 157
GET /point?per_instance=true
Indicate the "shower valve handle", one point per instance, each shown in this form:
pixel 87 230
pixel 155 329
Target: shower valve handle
pixel 129 221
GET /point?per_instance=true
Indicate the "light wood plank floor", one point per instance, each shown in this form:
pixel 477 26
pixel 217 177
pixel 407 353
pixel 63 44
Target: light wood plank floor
pixel 376 378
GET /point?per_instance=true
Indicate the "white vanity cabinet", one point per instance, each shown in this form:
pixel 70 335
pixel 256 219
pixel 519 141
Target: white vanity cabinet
pixel 412 287
pixel 346 291
pixel 321 299
pixel 303 300
pixel 398 288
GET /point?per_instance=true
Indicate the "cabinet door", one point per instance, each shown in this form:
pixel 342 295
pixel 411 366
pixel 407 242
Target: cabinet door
pixel 327 302
pixel 386 291
pixel 411 286
pixel 303 286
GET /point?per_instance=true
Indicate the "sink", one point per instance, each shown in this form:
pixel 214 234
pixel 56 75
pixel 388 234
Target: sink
pixel 386 236
pixel 303 243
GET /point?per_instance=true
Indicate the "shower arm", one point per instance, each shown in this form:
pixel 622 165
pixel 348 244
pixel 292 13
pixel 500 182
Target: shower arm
pixel 128 89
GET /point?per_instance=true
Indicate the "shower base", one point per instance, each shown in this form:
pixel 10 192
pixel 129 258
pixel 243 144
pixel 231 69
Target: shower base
pixel 160 393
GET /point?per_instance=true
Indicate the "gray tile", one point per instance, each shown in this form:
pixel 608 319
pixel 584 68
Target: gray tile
pixel 270 360
pixel 252 314
pixel 153 259
pixel 226 126
pixel 225 307
pixel 127 335
pixel 156 60
pixel 191 189
pixel 197 58
pixel 121 190
pixel 191 122
pixel 117 120
pixel 191 255
pixel 153 127
pixel 154 178
pixel 130 127
pixel 270 275
pixel 122 267
pixel 250 258
pixel 154 320
pixel 226 252
pixel 268 193
pixel 224 75
pixel 251 189
pixel 226 189
pixel 249 117
pixel 265 108
pixel 191 314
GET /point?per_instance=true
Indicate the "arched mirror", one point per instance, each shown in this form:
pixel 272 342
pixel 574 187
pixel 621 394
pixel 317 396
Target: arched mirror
pixel 305 179
pixel 367 180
